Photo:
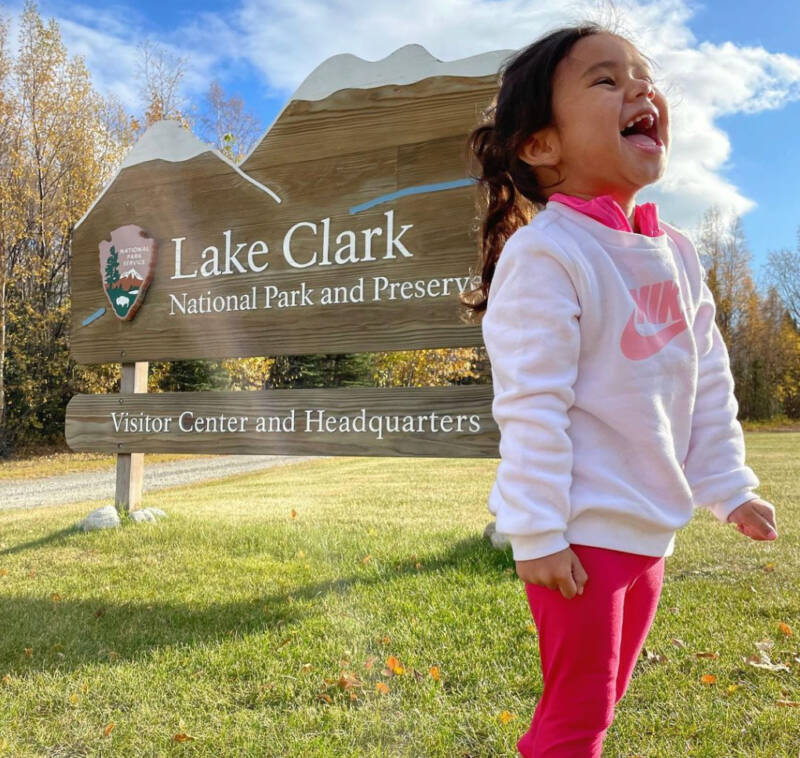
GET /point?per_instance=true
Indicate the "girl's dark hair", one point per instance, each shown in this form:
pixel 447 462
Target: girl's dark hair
pixel 507 185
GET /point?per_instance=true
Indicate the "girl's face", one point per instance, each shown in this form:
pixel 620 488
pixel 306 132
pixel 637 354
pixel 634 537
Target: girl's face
pixel 598 89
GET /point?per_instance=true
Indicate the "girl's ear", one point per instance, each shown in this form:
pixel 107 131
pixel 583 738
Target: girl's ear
pixel 542 148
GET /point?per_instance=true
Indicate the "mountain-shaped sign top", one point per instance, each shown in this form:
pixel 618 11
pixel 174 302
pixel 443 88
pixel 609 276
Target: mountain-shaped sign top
pixel 358 142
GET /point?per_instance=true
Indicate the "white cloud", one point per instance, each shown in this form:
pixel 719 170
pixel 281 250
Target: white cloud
pixel 702 80
pixel 108 38
pixel 286 41
pixel 110 59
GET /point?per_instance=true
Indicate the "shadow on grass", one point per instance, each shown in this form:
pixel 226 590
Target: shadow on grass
pixel 42 541
pixel 66 634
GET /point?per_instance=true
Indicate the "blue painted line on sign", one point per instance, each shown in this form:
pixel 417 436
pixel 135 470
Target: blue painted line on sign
pixel 96 315
pixel 419 189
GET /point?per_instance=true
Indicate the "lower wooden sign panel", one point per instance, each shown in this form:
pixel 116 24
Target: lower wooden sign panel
pixel 440 422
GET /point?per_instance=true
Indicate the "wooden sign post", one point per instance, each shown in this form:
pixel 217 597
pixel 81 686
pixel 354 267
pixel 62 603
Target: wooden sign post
pixel 349 228
pixel 130 466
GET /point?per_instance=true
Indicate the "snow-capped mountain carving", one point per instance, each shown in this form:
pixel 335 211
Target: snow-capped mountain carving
pixel 168 141
pixel 405 65
pixel 367 161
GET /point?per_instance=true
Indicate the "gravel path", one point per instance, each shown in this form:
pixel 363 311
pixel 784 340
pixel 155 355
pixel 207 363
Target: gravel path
pixel 99 485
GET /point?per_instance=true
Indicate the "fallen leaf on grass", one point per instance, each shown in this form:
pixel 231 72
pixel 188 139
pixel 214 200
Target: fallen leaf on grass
pixel 29 652
pixel 762 660
pixel 306 667
pixel 108 729
pixel 505 717
pixel 649 655
pixel 769 567
pixel 294 513
pixel 768 665
pixel 347 681
pixel 382 688
pixel 394 665
pixel 707 654
pixel 181 737
pixel 732 688
pixel 677 642
pixel 434 672
pixel 708 679
pixel 790 703
pixel 74 699
pixel 366 559
pixel 784 627
pixel 368 663
pixel 55 597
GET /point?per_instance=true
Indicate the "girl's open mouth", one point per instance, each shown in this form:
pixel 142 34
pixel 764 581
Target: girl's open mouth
pixel 643 134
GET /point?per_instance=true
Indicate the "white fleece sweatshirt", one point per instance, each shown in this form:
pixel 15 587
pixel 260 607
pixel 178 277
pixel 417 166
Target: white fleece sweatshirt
pixel 612 389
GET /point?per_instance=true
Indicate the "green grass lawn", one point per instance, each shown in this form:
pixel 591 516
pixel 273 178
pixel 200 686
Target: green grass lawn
pixel 372 621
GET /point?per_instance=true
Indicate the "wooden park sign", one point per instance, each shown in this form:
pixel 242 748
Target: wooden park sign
pixel 349 228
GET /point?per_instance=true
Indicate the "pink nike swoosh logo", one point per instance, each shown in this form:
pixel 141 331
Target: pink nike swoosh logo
pixel 655 304
pixel 637 346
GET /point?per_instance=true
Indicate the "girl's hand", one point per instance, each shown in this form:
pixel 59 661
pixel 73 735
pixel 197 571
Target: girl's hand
pixel 755 519
pixel 557 571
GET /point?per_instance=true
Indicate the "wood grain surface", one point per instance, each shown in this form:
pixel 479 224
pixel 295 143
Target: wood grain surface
pixel 323 159
pixel 291 422
pixel 130 466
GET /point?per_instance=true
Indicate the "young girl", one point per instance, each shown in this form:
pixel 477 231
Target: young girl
pixel 612 386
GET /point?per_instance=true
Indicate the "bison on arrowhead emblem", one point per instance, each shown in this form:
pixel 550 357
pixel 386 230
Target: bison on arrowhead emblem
pixel 127 263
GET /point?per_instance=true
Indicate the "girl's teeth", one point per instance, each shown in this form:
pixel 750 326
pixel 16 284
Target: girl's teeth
pixel 634 120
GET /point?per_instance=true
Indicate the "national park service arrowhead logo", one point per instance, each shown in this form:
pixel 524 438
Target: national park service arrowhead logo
pixel 126 267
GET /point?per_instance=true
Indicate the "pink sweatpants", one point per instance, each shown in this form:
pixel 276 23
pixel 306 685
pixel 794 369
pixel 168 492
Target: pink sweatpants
pixel 588 647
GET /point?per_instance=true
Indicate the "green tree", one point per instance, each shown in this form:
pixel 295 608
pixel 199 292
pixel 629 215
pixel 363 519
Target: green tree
pixel 112 268
pixel 194 376
pixel 61 141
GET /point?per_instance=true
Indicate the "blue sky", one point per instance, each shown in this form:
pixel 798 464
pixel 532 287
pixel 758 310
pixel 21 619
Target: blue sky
pixel 732 68
pixel 765 159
